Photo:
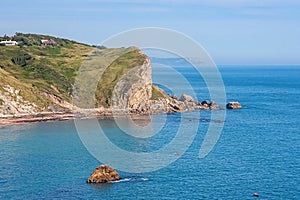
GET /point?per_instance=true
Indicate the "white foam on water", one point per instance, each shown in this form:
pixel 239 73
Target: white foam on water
pixel 122 180
pixel 129 179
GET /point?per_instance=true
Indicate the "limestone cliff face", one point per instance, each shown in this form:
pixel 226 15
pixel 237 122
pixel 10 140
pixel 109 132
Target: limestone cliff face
pixel 135 87
pixel 126 86
pixel 12 102
pixel 135 93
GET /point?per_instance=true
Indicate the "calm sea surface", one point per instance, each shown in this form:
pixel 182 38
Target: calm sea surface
pixel 258 151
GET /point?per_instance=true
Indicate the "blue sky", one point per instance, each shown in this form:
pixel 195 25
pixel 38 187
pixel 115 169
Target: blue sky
pixel 246 32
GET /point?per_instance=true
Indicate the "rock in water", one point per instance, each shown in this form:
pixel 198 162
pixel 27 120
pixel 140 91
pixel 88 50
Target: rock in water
pixel 205 103
pixel 233 105
pixel 103 174
pixel 255 194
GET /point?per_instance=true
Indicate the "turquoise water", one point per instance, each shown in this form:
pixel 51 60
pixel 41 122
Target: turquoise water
pixel 258 150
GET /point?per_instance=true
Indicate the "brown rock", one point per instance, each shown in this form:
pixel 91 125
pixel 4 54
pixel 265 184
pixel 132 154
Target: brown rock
pixel 185 97
pixel 103 174
pixel 233 105
pixel 213 105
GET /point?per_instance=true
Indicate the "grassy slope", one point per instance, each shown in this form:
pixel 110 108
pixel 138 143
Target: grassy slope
pixel 158 93
pixel 58 66
pixel 49 65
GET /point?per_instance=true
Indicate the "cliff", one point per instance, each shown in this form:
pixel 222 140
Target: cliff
pixel 135 87
pixel 134 92
pixel 38 77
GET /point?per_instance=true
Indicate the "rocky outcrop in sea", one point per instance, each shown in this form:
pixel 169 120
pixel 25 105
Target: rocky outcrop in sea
pixel 103 174
pixel 233 105
pixel 135 92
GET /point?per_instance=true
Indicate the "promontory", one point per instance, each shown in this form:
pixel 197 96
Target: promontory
pixel 38 75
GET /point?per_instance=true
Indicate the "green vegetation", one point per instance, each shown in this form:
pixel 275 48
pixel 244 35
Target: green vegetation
pixel 36 69
pixel 35 39
pixel 43 66
pixel 21 59
pixel 158 93
pixel 114 73
pixel 27 91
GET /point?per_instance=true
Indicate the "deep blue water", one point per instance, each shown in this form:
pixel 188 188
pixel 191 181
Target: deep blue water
pixel 258 150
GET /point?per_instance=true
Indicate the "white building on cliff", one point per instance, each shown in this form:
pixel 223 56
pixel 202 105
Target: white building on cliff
pixel 9 43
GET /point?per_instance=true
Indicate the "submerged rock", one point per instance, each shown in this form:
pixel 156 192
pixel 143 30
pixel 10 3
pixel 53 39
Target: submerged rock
pixel 103 174
pixel 233 105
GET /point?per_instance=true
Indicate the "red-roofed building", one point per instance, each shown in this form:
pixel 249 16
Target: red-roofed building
pixel 48 42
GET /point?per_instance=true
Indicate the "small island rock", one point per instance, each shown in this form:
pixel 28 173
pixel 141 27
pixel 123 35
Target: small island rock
pixel 233 105
pixel 103 174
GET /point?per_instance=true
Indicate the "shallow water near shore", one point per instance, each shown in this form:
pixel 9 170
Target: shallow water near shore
pixel 258 150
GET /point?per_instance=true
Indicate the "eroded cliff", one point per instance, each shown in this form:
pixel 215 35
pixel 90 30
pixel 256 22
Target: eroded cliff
pixel 45 83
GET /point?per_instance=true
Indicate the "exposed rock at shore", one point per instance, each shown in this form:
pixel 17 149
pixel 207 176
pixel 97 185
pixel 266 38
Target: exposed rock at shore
pixel 133 93
pixel 103 174
pixel 205 103
pixel 187 98
pixel 214 105
pixel 11 102
pixel 211 105
pixel 169 104
pixel 233 105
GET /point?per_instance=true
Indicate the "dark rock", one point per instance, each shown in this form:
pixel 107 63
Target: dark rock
pixel 233 105
pixel 103 174
pixel 173 97
pixel 175 107
pixel 205 103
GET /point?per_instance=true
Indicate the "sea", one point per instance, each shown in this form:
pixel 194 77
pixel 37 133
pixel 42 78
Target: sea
pixel 257 151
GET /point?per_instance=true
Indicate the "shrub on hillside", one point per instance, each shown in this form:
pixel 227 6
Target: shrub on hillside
pixel 21 59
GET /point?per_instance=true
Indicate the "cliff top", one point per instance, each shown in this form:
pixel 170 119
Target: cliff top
pixel 40 64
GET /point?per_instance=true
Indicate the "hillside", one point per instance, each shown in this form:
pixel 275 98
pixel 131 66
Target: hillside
pixel 40 75
pixel 36 77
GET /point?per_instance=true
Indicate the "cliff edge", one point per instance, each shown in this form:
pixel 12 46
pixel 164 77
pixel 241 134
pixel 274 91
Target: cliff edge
pixel 37 77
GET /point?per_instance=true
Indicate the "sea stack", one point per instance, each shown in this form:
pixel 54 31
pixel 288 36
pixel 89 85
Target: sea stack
pixel 233 105
pixel 103 174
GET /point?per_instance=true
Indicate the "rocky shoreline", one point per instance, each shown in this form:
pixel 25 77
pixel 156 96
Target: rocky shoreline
pixel 132 94
pixel 169 105
pixel 39 117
